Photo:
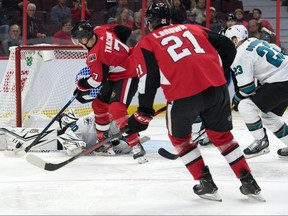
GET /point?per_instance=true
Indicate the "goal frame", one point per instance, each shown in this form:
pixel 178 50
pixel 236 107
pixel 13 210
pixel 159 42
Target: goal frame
pixel 18 71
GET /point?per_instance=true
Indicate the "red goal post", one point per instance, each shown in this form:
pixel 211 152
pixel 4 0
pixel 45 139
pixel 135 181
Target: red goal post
pixel 40 79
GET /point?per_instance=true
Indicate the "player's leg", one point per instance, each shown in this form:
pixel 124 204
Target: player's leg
pixel 272 120
pixel 270 98
pixel 250 114
pixel 279 128
pixel 123 93
pixel 180 116
pixel 218 124
pixel 102 117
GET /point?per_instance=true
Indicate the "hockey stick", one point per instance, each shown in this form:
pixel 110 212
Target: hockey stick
pixel 43 132
pixel 168 155
pixel 33 159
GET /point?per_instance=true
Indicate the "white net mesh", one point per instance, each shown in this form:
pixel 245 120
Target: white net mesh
pixel 47 83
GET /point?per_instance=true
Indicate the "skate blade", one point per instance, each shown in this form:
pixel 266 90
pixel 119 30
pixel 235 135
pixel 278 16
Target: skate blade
pixel 257 197
pixel 262 152
pixel 213 197
pixel 283 157
pixel 141 160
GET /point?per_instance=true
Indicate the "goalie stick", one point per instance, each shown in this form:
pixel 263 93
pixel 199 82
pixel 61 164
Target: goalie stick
pixel 168 155
pixel 35 160
pixel 43 132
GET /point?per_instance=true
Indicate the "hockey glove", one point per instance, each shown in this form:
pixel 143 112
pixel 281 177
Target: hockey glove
pixel 139 121
pixel 83 96
pixel 236 100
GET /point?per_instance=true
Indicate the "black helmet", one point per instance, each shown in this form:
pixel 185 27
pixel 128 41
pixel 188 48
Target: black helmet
pixel 82 29
pixel 158 14
pixel 230 17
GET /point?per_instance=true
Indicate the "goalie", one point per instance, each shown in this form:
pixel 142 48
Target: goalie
pixel 84 129
pixel 72 134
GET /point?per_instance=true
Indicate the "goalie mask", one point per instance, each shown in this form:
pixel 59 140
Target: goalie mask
pixel 80 30
pixel 158 14
pixel 238 31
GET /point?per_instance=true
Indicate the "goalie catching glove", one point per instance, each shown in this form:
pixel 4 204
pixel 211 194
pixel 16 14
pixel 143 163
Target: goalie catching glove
pixel 139 121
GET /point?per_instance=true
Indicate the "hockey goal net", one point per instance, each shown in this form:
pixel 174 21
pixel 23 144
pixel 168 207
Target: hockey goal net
pixel 40 80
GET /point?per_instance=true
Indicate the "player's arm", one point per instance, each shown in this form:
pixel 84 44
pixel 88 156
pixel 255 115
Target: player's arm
pixel 243 71
pixel 224 47
pixel 149 82
pixel 122 32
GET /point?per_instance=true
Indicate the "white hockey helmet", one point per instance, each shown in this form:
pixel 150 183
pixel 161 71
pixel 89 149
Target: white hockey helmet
pixel 238 31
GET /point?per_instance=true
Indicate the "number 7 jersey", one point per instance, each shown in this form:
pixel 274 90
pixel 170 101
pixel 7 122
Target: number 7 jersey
pixel 109 57
pixel 180 59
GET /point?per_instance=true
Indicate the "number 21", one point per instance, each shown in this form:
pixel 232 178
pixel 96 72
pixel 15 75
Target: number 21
pixel 179 43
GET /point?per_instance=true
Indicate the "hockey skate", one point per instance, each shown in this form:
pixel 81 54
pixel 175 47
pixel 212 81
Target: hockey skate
pixel 250 187
pixel 104 150
pixel 257 148
pixel 107 148
pixel 201 140
pixel 207 188
pixel 139 153
pixel 204 141
pixel 122 148
pixel 283 153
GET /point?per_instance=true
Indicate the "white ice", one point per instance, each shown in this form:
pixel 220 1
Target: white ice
pixel 99 185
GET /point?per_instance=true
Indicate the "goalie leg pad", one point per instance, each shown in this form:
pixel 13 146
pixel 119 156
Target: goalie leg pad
pixel 17 139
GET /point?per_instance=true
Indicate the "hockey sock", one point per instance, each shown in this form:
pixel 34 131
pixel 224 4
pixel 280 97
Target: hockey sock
pixel 102 118
pixel 190 155
pixel 133 139
pixel 234 157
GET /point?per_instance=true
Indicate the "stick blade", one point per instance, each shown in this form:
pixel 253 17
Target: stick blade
pixel 164 153
pixel 36 161
pixel 144 139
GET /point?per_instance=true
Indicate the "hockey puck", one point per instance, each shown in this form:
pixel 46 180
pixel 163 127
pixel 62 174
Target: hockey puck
pixel 18 145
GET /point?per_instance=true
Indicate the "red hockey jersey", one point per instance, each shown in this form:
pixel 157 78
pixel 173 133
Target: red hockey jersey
pixel 109 57
pixel 180 59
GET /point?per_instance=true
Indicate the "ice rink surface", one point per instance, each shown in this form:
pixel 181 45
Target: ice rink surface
pixel 101 185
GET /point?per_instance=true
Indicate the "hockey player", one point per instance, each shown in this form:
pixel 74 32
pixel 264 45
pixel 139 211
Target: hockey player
pixel 257 59
pixel 73 135
pixel 111 68
pixel 84 128
pixel 182 60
